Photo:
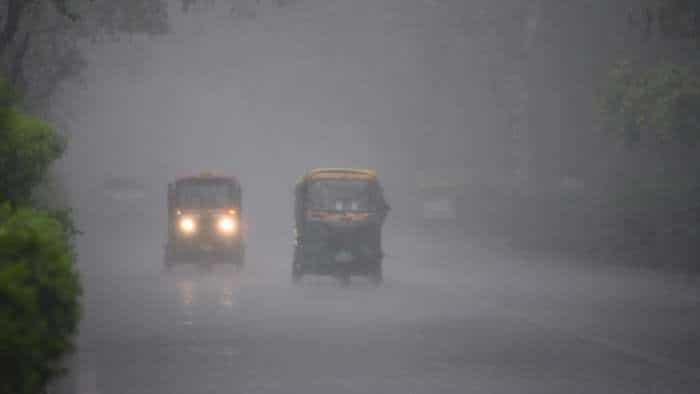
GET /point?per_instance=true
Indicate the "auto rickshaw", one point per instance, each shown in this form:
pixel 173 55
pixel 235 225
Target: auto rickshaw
pixel 339 214
pixel 204 220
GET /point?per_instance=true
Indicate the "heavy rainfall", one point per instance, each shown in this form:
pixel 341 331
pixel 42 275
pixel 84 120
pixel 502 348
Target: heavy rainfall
pixel 366 196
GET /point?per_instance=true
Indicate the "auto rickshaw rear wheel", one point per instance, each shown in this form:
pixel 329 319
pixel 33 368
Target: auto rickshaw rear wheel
pixel 376 276
pixel 167 261
pixel 344 279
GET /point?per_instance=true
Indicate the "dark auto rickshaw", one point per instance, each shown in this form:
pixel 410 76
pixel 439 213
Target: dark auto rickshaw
pixel 339 214
pixel 204 220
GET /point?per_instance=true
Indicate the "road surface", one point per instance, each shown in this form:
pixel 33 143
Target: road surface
pixel 454 316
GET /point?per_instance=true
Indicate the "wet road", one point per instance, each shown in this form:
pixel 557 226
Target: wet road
pixel 453 317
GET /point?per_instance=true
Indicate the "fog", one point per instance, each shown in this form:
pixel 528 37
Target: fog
pixel 274 89
pixel 311 84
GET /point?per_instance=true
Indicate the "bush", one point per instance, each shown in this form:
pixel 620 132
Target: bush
pixel 652 105
pixel 656 108
pixel 39 299
pixel 27 149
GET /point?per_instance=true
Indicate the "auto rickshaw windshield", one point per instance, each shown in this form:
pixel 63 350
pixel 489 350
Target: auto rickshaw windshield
pixel 341 195
pixel 204 194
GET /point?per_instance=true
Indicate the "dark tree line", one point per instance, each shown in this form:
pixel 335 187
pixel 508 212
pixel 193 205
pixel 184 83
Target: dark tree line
pixel 611 104
pixel 39 39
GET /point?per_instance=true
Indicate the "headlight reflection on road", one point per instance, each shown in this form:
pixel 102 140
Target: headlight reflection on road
pixel 227 295
pixel 186 289
pixel 227 286
pixel 215 291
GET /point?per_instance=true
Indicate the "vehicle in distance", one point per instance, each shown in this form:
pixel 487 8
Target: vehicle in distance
pixel 204 221
pixel 339 214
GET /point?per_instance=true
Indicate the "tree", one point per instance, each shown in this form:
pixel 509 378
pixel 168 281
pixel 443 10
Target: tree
pixel 28 146
pixel 676 19
pixel 39 299
pixel 654 104
pixel 39 286
pixel 39 38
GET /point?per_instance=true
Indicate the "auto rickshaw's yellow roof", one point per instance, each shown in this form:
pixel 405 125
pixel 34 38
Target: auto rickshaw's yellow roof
pixel 208 175
pixel 339 173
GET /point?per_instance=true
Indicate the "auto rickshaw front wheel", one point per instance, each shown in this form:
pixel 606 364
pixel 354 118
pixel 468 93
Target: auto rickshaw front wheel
pixel 167 261
pixel 238 259
pixel 297 274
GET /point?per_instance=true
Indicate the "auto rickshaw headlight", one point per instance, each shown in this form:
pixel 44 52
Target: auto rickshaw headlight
pixel 227 225
pixel 187 225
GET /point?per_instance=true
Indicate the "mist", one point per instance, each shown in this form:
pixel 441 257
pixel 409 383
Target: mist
pixel 484 139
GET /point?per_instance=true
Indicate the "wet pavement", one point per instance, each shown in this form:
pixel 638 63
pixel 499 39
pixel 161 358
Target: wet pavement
pixel 453 317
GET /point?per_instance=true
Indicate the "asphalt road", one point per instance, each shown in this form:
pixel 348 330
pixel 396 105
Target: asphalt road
pixel 454 316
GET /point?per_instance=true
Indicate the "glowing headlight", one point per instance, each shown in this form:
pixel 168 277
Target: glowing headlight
pixel 187 225
pixel 227 225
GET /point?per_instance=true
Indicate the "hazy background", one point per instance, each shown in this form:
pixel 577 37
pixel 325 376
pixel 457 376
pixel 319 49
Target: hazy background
pixel 487 107
pixel 517 232
pixel 276 88
pixel 264 98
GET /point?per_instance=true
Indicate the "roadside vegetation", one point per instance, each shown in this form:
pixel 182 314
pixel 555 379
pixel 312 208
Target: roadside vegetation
pixel 651 103
pixel 600 134
pixel 39 283
pixel 641 200
pixel 643 205
pixel 40 288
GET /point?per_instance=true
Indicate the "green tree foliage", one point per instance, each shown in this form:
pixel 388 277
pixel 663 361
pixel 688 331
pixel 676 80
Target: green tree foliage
pixel 39 286
pixel 657 104
pixel 28 146
pixel 656 107
pixel 39 299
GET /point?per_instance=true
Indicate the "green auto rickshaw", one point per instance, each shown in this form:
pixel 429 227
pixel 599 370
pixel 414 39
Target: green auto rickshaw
pixel 339 214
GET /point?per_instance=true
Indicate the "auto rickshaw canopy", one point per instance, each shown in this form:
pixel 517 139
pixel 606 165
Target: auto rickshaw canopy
pixel 207 176
pixel 339 173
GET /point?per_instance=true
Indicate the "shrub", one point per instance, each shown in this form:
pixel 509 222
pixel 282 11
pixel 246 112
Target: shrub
pixel 652 105
pixel 27 149
pixel 39 299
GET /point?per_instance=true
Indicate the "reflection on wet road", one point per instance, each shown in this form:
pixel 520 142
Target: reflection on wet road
pixel 222 285
pixel 186 287
pixel 451 318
